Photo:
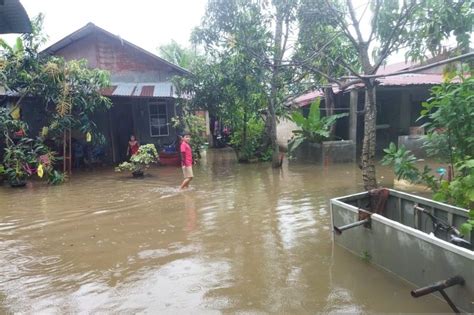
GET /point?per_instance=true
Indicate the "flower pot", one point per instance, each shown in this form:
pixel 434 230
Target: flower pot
pixel 138 173
pixel 18 183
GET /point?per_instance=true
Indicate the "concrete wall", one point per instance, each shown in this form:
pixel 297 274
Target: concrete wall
pixel 414 144
pixel 326 153
pixel 285 129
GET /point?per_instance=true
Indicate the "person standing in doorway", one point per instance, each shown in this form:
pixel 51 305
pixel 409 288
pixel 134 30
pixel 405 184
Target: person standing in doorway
pixel 186 160
pixel 133 146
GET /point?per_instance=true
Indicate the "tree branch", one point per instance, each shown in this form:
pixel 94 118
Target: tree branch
pixel 340 20
pixel 326 76
pixel 414 70
pixel 355 22
pixel 375 19
pixel 389 44
pixel 285 40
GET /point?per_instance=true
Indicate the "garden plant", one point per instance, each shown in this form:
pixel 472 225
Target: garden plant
pixel 140 161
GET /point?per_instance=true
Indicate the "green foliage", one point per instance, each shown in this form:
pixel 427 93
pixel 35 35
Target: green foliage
pixel 230 89
pixel 56 178
pixel 196 126
pixel 404 165
pixel 69 91
pixel 8 125
pixel 319 43
pixel 435 20
pixel 247 145
pixel 246 42
pixel 22 158
pixel 450 111
pixel 178 55
pixel 145 156
pixel 314 128
pixel 366 256
pixel 403 162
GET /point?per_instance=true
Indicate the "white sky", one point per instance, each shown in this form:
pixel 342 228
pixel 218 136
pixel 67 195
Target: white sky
pixel 146 23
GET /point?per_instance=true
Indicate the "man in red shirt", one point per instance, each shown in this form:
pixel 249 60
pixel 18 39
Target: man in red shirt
pixel 186 160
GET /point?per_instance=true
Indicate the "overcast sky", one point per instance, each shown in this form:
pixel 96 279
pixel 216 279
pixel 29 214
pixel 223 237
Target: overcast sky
pixel 146 23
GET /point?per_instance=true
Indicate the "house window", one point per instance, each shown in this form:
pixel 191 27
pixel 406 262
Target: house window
pixel 158 119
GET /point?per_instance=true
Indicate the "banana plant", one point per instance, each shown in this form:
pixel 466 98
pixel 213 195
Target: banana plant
pixel 314 128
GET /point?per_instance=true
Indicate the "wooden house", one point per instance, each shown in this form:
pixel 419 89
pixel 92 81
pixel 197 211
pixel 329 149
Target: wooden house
pixel 143 96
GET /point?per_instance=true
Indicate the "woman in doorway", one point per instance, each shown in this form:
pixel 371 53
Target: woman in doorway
pixel 133 146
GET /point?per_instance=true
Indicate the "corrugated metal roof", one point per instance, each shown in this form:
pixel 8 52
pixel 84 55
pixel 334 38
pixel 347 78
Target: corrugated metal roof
pixel 412 79
pixel 161 89
pixel 13 18
pixel 124 89
pixel 393 81
pixel 395 67
pixel 307 98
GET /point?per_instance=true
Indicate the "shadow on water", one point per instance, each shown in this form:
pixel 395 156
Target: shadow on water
pixel 244 238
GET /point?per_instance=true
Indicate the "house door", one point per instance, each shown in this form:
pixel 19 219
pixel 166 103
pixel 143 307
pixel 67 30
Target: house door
pixel 123 129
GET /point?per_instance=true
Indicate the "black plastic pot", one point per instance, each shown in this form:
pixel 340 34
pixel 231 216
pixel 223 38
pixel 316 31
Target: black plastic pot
pixel 137 173
pixel 17 183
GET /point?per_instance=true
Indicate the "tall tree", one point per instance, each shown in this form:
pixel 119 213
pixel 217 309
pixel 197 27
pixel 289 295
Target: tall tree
pixel 393 25
pixel 260 30
pixel 229 89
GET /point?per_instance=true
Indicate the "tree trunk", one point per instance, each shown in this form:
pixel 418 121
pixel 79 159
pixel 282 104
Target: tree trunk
pixel 329 104
pixel 368 146
pixel 277 55
pixel 243 146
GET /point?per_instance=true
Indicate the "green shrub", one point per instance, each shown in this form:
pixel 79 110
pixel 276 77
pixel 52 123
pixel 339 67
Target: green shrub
pixel 313 128
pixel 145 156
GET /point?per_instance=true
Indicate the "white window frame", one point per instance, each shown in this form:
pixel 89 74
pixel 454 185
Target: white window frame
pixel 158 103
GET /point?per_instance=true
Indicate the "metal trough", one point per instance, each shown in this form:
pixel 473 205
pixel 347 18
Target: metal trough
pixel 415 238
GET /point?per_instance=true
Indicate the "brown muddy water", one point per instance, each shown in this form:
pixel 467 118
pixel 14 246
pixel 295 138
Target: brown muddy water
pixel 244 239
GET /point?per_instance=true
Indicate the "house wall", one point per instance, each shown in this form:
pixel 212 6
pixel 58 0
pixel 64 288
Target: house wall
pixel 124 62
pixel 131 116
pixel 142 122
pixel 84 48
pixel 284 131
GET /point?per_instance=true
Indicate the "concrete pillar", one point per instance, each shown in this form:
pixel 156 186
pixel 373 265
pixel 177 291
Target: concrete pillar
pixel 405 112
pixel 210 139
pixel 354 96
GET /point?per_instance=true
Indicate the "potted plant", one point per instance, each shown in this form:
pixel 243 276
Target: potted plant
pixel 20 161
pixel 140 161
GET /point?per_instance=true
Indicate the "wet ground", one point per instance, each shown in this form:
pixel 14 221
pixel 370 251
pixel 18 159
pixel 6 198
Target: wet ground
pixel 244 239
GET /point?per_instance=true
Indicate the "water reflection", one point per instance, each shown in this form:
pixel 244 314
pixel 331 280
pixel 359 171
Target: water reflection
pixel 244 238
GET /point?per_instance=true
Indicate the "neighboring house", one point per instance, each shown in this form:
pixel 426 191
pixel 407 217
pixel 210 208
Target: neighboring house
pixel 398 100
pixel 143 96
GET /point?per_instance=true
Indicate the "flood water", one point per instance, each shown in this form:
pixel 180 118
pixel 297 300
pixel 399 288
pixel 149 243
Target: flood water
pixel 244 239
